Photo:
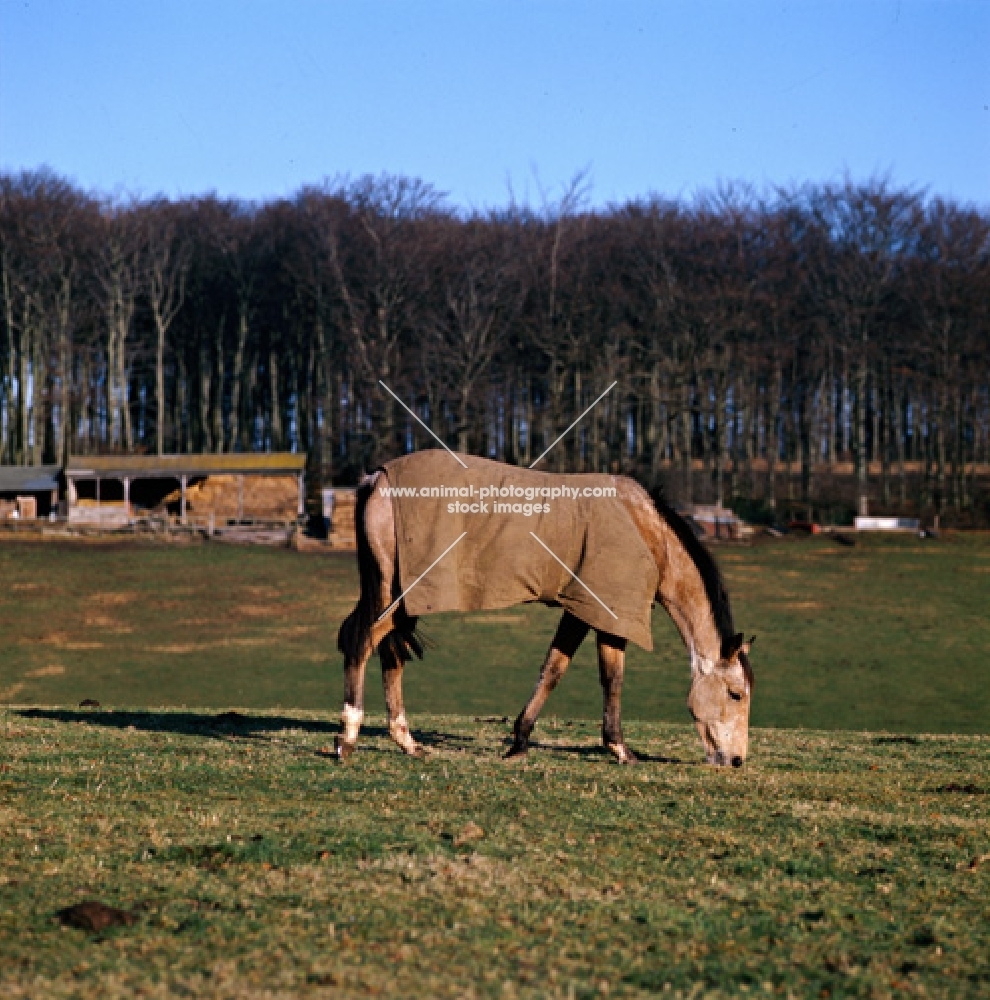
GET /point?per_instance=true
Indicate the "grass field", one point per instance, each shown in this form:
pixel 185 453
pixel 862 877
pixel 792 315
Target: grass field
pixel 832 865
pixel 836 863
pixel 892 634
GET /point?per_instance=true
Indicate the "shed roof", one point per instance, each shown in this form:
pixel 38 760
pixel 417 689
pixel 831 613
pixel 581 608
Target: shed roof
pixel 172 466
pixel 28 478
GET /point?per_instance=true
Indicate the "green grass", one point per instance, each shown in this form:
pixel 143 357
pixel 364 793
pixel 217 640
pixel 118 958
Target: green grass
pixel 832 865
pixel 892 634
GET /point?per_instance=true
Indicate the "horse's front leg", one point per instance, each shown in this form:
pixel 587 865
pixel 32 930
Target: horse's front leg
pixel 570 633
pixel 398 728
pixel 611 666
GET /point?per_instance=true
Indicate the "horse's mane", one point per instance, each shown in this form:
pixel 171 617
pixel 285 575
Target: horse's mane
pixel 708 569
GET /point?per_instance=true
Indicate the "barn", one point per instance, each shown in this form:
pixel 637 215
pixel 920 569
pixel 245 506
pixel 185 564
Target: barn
pixel 28 492
pixel 208 491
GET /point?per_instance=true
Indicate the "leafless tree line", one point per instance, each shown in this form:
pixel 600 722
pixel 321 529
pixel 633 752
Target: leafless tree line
pixel 820 332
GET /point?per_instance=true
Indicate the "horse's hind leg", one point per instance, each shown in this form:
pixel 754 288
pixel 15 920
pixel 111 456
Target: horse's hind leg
pixel 570 633
pixel 398 728
pixel 352 714
pixel 362 631
pixel 611 666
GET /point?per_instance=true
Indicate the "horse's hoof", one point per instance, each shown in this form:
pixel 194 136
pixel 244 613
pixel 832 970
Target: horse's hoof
pixel 414 750
pixel 343 748
pixel 623 754
pixel 516 755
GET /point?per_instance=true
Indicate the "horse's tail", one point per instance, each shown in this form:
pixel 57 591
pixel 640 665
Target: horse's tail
pixel 355 630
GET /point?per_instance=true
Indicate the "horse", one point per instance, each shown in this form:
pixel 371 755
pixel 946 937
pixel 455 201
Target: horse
pixel 690 589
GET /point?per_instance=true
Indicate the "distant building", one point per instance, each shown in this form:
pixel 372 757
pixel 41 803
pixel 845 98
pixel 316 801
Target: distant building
pixel 215 490
pixel 28 492
pixel 712 521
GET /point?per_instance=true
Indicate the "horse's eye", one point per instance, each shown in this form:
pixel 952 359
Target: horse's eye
pixel 735 696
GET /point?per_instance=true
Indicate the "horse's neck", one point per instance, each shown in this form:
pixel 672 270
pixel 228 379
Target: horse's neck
pixel 682 591
pixel 683 594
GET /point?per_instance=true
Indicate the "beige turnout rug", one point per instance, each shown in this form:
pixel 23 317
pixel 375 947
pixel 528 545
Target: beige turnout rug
pixel 498 562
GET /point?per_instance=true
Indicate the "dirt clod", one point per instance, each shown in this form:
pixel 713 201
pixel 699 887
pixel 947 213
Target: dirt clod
pixel 91 915
pixel 89 703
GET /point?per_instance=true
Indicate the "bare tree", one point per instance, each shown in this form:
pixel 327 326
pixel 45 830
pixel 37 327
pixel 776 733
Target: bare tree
pixel 168 256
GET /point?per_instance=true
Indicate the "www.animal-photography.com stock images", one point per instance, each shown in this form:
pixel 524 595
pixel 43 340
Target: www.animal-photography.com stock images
pixel 615 377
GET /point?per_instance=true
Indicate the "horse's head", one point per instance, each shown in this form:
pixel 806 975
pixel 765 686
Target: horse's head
pixel 719 702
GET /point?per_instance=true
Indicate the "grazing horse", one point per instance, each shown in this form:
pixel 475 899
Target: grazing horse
pixel 689 587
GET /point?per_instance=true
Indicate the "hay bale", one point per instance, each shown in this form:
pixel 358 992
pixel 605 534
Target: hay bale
pixel 27 508
pixel 260 498
pixel 342 528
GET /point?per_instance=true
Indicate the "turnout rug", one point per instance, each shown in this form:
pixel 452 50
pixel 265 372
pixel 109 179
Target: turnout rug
pixel 587 555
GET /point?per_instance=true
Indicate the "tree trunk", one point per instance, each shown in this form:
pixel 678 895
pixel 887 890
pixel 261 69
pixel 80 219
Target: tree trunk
pixel 719 449
pixel 859 436
pixel 26 339
pixel 204 400
pixel 160 383
pixel 237 377
pixel 7 372
pixel 275 420
pixel 900 416
pixel 686 443
pixel 181 406
pixel 773 433
pixel 218 392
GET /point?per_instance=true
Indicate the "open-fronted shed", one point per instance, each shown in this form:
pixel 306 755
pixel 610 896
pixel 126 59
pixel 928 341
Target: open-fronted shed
pixel 28 491
pixel 216 489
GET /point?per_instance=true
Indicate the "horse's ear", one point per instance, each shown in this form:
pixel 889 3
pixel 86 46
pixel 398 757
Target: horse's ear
pixel 733 646
pixel 749 645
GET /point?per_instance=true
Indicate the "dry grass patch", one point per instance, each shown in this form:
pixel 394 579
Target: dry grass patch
pixel 107 624
pixel 60 640
pixel 182 648
pixel 113 598
pixel 258 610
pixel 52 670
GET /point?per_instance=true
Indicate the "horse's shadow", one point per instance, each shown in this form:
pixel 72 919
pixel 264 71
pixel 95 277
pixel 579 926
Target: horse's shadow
pixel 227 725
pixel 603 753
pixel 223 725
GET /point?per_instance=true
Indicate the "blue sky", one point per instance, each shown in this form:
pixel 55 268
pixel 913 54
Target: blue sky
pixel 253 99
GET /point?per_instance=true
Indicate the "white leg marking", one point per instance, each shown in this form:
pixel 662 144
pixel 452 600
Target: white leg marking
pixel 351 719
pixel 398 729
